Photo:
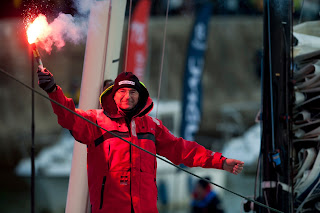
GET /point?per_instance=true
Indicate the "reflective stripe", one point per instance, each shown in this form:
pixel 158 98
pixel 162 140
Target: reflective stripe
pixel 133 128
pixel 107 135
pixel 274 184
pixel 155 120
pixel 147 135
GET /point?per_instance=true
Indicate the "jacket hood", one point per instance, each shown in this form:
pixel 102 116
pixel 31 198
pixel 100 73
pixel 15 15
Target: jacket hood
pixel 110 108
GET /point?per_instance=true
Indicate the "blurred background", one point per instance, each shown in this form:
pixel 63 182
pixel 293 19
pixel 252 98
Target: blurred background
pixel 231 98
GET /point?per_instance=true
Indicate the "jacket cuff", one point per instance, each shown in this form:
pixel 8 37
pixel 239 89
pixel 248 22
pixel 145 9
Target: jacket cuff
pixel 56 92
pixel 218 160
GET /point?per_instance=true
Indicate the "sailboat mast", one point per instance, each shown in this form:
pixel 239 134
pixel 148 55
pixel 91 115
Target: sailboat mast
pixel 101 62
pixel 277 93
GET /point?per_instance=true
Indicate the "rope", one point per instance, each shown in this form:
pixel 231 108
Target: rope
pixel 162 57
pixel 291 74
pixel 115 135
pixel 301 11
pixel 271 87
pixel 128 35
pixel 33 171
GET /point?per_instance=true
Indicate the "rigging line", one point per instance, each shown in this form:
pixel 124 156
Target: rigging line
pixel 162 57
pixel 259 165
pixel 104 63
pixel 117 136
pixel 32 138
pixel 271 88
pixel 266 199
pixel 291 110
pixel 302 7
pixel 128 35
pixel 258 175
pixel 288 91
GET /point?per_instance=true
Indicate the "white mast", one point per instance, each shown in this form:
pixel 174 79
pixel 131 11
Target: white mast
pixel 101 62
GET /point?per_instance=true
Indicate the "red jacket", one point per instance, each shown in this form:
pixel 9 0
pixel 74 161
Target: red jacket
pixel 121 175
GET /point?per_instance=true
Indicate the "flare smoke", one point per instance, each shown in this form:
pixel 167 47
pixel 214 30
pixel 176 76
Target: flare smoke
pixel 66 28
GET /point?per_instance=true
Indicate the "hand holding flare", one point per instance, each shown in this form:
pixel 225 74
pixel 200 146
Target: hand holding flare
pixel 34 31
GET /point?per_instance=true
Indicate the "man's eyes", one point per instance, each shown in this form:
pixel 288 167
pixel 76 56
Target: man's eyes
pixel 133 92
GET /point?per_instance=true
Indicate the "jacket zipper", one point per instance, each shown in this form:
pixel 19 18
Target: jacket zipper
pixel 102 190
pixel 109 158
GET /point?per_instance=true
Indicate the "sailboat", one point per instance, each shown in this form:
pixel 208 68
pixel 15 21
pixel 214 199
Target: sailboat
pixel 78 196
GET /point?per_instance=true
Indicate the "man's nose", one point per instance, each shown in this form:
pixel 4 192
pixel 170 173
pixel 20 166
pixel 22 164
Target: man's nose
pixel 127 94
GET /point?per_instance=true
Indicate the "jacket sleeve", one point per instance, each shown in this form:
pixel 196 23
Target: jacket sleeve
pixel 80 129
pixel 181 151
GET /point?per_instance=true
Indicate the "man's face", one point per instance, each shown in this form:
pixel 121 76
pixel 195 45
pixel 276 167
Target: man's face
pixel 126 98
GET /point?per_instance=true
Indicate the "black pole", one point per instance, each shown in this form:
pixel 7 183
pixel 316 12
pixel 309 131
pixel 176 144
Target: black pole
pixel 277 93
pixel 32 138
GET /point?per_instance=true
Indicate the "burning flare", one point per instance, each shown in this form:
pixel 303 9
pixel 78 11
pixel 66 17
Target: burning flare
pixel 37 29
pixel 63 28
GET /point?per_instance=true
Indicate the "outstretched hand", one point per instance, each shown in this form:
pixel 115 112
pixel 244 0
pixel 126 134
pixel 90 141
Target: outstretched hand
pixel 233 166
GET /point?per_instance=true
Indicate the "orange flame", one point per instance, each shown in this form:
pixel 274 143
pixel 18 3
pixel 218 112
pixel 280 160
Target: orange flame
pixel 37 29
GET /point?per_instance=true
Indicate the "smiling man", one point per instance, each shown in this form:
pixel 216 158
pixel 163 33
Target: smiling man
pixel 121 177
pixel 126 98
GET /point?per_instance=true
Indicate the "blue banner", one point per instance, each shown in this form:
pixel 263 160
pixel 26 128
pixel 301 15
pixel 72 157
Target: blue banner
pixel 192 91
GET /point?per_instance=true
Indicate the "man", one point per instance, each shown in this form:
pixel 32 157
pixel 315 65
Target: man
pixel 204 199
pixel 121 177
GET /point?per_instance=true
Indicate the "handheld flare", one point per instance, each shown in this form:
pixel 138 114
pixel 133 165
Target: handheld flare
pixel 35 30
pixel 36 55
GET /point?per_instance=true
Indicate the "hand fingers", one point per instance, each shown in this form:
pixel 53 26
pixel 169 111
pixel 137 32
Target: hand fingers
pixel 237 169
pixel 45 78
pixel 236 162
pixel 43 70
pixel 43 75
pixel 238 166
pixel 235 166
pixel 44 81
pixel 239 162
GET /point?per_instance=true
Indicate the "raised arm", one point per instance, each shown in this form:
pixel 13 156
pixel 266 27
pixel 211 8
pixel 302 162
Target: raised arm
pixel 81 130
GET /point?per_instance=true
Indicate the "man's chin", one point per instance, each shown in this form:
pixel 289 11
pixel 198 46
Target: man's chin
pixel 126 108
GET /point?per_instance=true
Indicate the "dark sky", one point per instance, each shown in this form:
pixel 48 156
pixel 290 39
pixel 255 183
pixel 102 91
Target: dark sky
pixel 19 8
